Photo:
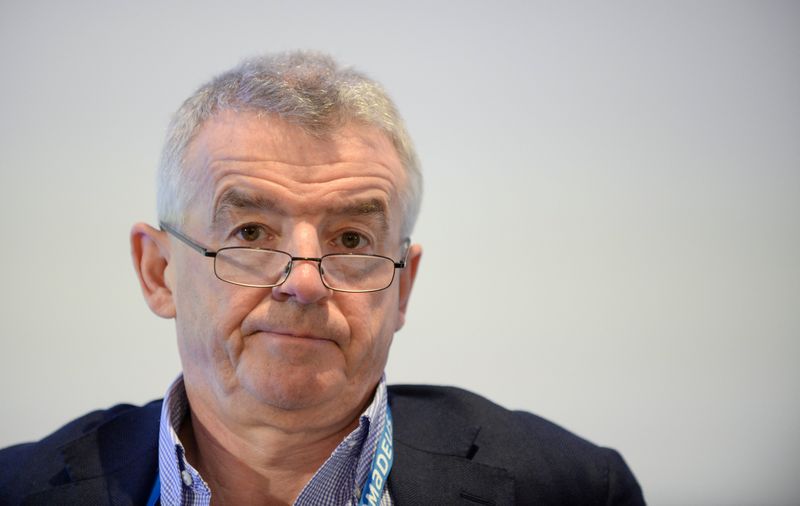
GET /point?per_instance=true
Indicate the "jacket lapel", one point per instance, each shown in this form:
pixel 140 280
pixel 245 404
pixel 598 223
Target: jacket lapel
pixel 115 464
pixel 421 477
pixel 433 459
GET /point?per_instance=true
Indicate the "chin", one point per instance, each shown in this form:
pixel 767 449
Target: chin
pixel 294 389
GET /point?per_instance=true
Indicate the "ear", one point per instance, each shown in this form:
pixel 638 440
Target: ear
pixel 407 276
pixel 150 253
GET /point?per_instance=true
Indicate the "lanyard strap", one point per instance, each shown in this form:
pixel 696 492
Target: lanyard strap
pixel 381 465
pixel 155 494
pixel 376 480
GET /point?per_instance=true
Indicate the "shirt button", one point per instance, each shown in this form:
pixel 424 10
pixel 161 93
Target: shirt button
pixel 186 477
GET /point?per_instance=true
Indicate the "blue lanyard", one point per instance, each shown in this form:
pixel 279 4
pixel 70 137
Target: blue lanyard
pixel 373 488
pixel 155 494
pixel 381 465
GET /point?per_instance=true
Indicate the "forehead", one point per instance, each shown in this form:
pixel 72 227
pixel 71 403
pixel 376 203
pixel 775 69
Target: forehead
pixel 295 172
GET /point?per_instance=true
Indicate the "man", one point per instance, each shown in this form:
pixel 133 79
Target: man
pixel 288 190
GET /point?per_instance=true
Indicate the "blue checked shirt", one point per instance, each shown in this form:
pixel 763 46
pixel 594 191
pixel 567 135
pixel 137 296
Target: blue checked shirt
pixel 338 482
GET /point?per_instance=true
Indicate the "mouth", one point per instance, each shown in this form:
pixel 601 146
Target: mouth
pixel 288 334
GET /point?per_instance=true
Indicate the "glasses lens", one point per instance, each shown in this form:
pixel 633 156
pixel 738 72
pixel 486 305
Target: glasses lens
pixel 357 273
pixel 251 267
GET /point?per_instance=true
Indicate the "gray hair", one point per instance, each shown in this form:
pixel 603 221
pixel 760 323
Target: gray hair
pixel 308 89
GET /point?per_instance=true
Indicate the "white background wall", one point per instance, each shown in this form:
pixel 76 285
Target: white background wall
pixel 611 217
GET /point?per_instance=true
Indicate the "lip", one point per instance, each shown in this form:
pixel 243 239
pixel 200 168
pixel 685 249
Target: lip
pixel 292 335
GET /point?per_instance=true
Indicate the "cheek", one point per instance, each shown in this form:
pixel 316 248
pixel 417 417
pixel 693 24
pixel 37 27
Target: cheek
pixel 372 325
pixel 208 317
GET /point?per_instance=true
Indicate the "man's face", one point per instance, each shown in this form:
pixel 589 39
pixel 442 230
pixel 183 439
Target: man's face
pixel 264 183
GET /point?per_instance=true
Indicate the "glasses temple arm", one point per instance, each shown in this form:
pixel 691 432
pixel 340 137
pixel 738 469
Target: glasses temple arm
pixel 406 246
pixel 187 241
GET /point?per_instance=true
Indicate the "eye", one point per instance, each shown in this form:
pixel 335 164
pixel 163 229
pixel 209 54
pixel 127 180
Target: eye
pixel 353 240
pixel 250 232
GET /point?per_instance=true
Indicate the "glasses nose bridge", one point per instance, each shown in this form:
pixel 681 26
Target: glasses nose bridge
pixel 318 260
pixel 293 259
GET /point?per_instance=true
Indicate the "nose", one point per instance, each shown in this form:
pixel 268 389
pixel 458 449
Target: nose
pixel 304 283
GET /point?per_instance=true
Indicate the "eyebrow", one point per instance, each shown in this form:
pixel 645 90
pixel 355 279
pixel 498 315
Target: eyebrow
pixel 372 208
pixel 234 198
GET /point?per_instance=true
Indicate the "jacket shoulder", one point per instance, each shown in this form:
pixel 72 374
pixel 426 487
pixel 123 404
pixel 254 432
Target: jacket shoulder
pixel 31 467
pixel 548 462
pixel 437 405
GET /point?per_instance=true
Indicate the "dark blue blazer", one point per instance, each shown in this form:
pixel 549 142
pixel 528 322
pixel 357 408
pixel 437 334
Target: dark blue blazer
pixel 451 447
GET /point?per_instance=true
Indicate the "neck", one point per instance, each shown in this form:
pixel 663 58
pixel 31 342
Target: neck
pixel 264 464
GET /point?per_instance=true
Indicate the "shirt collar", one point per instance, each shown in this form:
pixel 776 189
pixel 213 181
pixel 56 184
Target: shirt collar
pixel 338 481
